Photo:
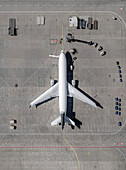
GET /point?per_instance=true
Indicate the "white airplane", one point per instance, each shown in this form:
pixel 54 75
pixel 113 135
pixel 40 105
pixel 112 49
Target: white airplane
pixel 62 89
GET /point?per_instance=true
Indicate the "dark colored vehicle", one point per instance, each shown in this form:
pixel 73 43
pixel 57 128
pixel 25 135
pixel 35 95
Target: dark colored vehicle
pixel 89 25
pixel 119 109
pixel 99 48
pixel 120 75
pixel 95 25
pixel 116 107
pixel 69 37
pixel 116 112
pixel 119 113
pixel 119 124
pixel 79 24
pixel 74 58
pixel 116 103
pixel 12 27
pixel 118 67
pixel 116 99
pixel 83 24
pixel 117 62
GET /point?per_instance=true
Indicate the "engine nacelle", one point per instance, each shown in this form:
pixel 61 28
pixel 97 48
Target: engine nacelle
pixel 52 82
pixel 71 67
pixel 75 83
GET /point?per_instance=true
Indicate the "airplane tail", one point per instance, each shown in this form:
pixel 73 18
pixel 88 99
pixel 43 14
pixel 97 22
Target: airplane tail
pixel 61 121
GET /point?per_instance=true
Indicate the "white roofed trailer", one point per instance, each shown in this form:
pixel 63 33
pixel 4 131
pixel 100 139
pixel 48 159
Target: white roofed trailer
pixel 40 20
pixel 73 21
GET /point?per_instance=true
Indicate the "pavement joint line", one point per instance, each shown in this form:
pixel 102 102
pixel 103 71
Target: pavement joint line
pixel 80 5
pixel 5 82
pixel 96 78
pixel 35 72
pixel 78 147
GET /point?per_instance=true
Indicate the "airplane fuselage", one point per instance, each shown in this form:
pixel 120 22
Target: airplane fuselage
pixel 62 83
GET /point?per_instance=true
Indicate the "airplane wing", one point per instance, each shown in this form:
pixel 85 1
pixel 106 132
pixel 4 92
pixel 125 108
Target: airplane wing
pixel 73 92
pixel 50 93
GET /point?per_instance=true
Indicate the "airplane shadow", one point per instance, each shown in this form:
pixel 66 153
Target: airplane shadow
pixel 70 113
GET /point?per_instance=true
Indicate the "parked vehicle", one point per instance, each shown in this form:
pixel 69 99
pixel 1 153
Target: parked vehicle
pixel 83 24
pixel 95 25
pixel 89 25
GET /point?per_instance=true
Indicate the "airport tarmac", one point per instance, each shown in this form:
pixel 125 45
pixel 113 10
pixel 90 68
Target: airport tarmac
pixel 99 143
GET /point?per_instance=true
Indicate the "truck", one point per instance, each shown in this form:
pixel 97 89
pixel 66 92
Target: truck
pixel 89 25
pixel 12 27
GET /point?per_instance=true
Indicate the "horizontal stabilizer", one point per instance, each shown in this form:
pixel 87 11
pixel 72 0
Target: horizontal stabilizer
pixel 56 121
pixel 69 121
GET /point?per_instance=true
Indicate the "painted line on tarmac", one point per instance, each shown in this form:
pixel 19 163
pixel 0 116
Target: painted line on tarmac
pixel 72 149
pixel 118 149
pixel 75 4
